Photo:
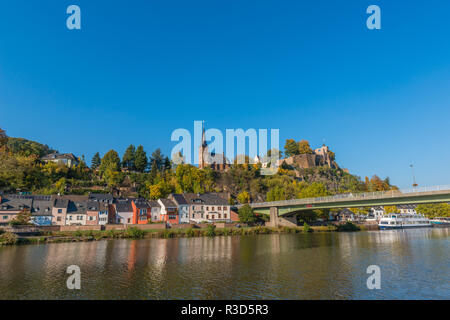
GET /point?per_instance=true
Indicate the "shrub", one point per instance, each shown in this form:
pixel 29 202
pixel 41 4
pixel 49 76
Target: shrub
pixel 348 226
pixel 134 233
pixel 111 233
pixel 226 231
pixel 78 233
pixel 8 238
pixel 307 228
pixel 168 234
pixel 190 232
pixel 210 230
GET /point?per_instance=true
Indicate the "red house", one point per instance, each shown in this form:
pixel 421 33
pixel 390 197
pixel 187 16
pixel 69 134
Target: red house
pixel 141 211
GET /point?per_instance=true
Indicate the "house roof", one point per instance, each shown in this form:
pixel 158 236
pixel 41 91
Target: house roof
pixel 96 206
pixel 59 156
pixel 15 203
pixel 77 207
pixel 178 198
pixel 205 198
pixel 42 206
pixel 406 206
pixel 154 204
pixel 102 197
pixel 123 205
pixel 168 203
pixel 60 203
pixel 141 203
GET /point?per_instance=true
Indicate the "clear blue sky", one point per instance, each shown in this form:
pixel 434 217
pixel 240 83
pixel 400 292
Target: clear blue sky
pixel 140 69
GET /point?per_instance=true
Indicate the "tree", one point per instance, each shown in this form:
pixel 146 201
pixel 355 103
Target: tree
pixel 243 197
pixel 23 218
pixel 157 159
pixel 167 164
pixel 304 148
pixel 434 210
pixel 96 161
pixel 391 209
pixel 291 148
pixel 246 214
pixel 155 191
pixel 129 158
pixel 314 190
pixel 110 161
pixel 3 138
pixel 141 161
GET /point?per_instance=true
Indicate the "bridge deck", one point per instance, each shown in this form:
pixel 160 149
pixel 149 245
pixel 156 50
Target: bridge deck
pixel 392 197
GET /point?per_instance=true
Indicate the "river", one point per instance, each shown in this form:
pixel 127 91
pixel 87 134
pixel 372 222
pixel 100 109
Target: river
pixel 414 264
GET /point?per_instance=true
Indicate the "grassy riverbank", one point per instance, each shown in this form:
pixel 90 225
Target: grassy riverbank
pixel 135 233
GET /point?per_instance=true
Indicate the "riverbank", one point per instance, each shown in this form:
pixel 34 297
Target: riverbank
pixel 8 238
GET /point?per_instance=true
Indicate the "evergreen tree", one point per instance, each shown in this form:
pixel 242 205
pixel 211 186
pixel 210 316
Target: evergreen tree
pixel 129 158
pixel 167 164
pixel 157 159
pixel 96 161
pixel 141 161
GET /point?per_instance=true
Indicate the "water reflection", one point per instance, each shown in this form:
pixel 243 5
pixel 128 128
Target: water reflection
pixel 414 264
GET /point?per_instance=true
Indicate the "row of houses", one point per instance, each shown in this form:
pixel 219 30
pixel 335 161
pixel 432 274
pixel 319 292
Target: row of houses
pixel 375 213
pixel 102 209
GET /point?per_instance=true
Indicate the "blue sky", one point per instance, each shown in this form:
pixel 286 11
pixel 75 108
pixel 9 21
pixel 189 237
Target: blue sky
pixel 137 70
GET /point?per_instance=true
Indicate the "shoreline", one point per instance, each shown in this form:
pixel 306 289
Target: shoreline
pixel 135 234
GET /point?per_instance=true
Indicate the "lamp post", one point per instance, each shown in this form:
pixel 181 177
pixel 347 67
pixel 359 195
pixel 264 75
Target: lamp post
pixel 413 176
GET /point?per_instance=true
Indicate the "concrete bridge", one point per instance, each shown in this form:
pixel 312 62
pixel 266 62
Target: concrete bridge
pixel 288 208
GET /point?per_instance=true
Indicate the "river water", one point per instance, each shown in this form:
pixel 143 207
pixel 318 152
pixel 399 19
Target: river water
pixel 414 264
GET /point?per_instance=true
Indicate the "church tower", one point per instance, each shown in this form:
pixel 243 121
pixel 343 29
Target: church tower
pixel 203 150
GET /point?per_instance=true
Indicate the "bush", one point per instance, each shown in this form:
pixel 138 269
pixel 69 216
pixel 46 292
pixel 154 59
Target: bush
pixel 78 233
pixel 348 226
pixel 210 230
pixel 190 232
pixel 168 234
pixel 307 228
pixel 134 233
pixel 111 233
pixel 8 238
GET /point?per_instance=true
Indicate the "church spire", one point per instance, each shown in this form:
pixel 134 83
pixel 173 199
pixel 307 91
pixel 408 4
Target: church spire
pixel 204 144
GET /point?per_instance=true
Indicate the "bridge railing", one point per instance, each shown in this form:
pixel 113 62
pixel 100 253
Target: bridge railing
pixel 358 196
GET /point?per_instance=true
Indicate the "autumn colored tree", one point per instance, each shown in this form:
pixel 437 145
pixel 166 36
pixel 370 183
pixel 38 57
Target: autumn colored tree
pixel 246 214
pixel 304 148
pixel 243 197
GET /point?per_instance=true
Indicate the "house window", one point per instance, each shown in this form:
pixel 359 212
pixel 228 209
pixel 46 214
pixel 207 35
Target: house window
pixel 59 210
pixel 212 208
pixel 220 216
pixel 129 220
pixel 207 217
pixel 58 219
pixel 5 217
pixel 207 208
pixel 225 216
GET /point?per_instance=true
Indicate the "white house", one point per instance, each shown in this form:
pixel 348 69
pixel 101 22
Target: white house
pixel 124 211
pixel 183 207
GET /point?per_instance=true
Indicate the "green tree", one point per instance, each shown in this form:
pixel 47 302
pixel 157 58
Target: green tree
pixel 3 139
pixel 96 161
pixel 23 218
pixel 110 161
pixel 291 148
pixel 167 164
pixel 304 148
pixel 246 214
pixel 141 161
pixel 157 159
pixel 129 158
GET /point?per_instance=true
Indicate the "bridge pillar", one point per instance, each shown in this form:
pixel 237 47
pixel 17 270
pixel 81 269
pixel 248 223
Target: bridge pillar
pixel 273 216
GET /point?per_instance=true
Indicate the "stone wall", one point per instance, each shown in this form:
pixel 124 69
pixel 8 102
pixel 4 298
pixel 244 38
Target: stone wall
pixel 80 228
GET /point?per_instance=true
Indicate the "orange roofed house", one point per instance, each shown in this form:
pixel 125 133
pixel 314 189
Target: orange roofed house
pixel 141 211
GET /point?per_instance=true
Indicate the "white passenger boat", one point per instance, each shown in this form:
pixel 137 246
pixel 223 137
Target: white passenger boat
pixel 400 221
